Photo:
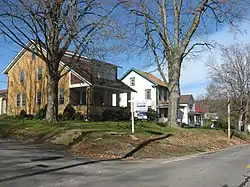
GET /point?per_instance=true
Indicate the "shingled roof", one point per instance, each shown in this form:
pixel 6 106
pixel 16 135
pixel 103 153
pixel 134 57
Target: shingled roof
pixel 150 77
pixel 3 92
pixel 185 98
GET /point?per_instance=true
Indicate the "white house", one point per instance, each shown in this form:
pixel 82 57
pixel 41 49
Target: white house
pixel 192 114
pixel 151 92
pixel 3 101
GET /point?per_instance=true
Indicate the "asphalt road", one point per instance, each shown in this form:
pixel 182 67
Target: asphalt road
pixel 24 165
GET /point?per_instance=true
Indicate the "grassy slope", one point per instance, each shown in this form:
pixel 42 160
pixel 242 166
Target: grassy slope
pixel 96 141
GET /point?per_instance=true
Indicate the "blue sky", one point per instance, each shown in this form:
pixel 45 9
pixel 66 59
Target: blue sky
pixel 194 76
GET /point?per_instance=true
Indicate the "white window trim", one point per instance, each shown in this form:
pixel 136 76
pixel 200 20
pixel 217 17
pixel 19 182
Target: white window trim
pixel 59 91
pixel 146 91
pixel 21 97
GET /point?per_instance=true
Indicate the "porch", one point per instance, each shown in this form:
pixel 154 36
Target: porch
pixel 195 118
pixel 92 101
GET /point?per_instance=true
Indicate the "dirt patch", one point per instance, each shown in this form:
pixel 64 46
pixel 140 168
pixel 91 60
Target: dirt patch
pixel 117 144
pixel 182 142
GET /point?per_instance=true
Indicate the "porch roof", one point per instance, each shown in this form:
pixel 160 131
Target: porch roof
pixel 116 85
pixel 192 113
pixel 3 92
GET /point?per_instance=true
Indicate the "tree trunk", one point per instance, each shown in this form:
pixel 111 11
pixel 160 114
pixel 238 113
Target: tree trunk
pixel 52 105
pixel 174 89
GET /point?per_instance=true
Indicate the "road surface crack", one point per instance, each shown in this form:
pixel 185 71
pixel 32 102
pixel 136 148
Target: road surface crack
pixel 245 181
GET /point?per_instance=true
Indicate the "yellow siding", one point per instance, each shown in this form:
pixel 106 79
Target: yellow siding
pixel 31 85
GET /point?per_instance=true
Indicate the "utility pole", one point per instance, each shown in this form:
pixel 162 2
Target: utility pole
pixel 228 118
pixel 228 113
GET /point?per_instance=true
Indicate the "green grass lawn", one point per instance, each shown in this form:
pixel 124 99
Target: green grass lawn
pixel 141 127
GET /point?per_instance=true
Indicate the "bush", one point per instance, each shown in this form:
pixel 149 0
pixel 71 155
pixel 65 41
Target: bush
pixel 124 114
pixel 79 116
pixel 222 124
pixel 69 112
pixel 110 115
pixel 22 113
pixel 60 117
pixel 152 114
pixel 41 113
pixel 116 115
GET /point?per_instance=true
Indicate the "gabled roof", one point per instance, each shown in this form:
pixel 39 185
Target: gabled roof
pixel 185 98
pixel 81 67
pixel 15 59
pixel 3 92
pixel 153 79
pixel 203 105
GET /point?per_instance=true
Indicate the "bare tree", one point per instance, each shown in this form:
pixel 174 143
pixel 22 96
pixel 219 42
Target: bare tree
pixel 53 27
pixel 231 78
pixel 171 28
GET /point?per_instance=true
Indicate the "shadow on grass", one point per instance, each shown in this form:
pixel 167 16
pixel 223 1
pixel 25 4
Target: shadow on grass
pixel 129 154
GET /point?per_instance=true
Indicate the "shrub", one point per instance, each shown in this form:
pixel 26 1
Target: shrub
pixel 222 124
pixel 116 115
pixel 124 114
pixel 41 113
pixel 22 113
pixel 68 112
pixel 110 115
pixel 78 116
pixel 60 117
pixel 152 114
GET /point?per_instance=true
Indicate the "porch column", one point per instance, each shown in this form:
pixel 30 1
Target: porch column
pixel 117 99
pixel 81 99
pixel 89 100
pixel 105 99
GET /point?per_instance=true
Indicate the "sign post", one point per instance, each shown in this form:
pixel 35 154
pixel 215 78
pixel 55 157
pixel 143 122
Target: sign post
pixel 132 115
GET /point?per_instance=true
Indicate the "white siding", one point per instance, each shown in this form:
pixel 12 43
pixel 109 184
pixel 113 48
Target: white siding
pixel 185 109
pixel 141 84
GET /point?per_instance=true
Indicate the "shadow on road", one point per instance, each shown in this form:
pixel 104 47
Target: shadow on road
pixel 129 154
pixel 242 184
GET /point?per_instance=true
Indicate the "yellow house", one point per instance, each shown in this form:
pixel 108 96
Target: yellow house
pixel 90 85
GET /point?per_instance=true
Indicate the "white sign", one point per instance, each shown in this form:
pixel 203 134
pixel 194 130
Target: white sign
pixel 141 110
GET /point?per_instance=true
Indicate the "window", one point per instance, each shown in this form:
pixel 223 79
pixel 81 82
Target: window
pixel 61 96
pixel 23 99
pixel 148 94
pixel 190 106
pixel 38 98
pixel 33 56
pixel 21 77
pixel 39 73
pixel 83 98
pixel 132 81
pixel 17 99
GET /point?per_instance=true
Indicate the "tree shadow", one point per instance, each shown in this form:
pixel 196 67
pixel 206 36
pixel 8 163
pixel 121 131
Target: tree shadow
pixel 129 154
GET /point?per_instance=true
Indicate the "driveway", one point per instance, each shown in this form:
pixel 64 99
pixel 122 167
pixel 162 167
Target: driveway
pixel 24 165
